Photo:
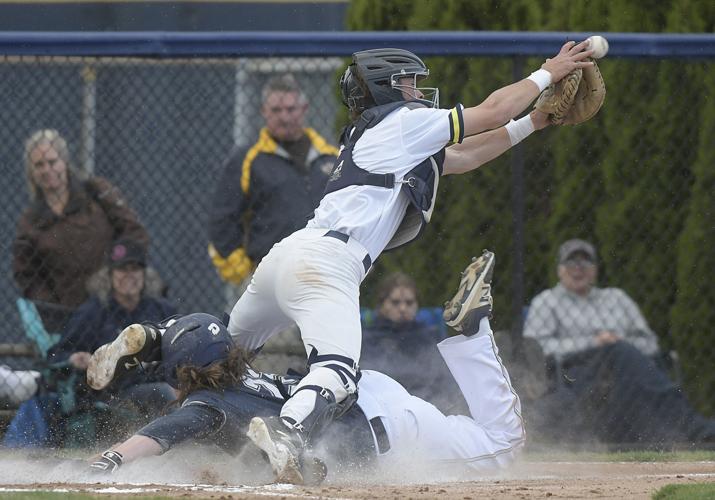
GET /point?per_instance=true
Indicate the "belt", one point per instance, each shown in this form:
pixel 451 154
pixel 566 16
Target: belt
pixel 366 261
pixel 378 428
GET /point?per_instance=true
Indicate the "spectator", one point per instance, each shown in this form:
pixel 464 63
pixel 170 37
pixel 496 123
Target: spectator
pixel 64 234
pixel 604 348
pixel 576 315
pixel 267 191
pixel 124 292
pixel 399 345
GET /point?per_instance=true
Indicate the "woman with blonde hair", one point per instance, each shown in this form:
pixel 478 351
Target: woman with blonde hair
pixel 64 234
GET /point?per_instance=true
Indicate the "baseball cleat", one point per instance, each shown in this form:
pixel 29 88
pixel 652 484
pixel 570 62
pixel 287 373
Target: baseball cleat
pixel 313 470
pixel 129 349
pixel 281 444
pixel 473 300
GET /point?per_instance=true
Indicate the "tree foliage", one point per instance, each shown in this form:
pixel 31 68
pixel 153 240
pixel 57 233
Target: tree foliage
pixel 637 180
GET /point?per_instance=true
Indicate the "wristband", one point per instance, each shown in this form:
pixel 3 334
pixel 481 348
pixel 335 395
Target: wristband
pixel 109 462
pixel 541 78
pixel 520 129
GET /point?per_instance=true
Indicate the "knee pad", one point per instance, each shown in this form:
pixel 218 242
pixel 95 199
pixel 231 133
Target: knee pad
pixel 324 410
pixel 344 367
pixel 323 395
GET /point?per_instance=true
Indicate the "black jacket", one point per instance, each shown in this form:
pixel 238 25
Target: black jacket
pixel 263 196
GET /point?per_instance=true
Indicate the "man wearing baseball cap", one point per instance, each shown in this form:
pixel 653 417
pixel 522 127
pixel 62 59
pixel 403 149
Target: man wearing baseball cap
pixel 572 248
pixel 577 315
pixel 604 353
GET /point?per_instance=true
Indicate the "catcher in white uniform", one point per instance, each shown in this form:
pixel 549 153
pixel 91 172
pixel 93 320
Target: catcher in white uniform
pixel 380 195
pixel 222 399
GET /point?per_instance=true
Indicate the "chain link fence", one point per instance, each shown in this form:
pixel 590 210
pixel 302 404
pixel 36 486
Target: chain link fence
pixel 159 131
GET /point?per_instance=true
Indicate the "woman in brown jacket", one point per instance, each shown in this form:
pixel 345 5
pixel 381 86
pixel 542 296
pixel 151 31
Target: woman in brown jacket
pixel 65 233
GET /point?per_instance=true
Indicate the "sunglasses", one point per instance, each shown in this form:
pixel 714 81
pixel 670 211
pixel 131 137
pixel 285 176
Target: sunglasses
pixel 579 263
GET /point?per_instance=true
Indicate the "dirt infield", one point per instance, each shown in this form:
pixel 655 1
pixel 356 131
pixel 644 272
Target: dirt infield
pixel 527 480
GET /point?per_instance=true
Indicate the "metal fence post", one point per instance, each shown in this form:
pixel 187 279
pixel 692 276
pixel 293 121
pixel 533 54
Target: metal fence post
pixel 517 214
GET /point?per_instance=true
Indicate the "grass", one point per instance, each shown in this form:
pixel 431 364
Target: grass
pixel 700 491
pixel 623 456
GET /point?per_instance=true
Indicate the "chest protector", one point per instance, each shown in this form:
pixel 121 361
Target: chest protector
pixel 419 184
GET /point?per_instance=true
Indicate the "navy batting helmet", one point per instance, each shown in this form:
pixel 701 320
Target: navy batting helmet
pixel 374 77
pixel 195 339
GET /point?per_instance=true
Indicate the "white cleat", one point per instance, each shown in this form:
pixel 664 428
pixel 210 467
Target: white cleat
pixel 125 353
pixel 272 436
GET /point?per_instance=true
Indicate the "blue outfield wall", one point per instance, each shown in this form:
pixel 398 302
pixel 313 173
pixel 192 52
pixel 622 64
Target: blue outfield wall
pixel 141 129
pixel 294 43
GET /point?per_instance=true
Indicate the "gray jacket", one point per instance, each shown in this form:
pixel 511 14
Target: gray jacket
pixel 564 322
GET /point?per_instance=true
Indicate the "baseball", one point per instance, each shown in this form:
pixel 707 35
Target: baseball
pixel 599 45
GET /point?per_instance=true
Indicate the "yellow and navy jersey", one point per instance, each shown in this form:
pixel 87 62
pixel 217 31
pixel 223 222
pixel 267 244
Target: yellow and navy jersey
pixel 456 124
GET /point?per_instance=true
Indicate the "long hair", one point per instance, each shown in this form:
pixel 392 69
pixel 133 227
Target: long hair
pixel 59 144
pixel 221 375
pixel 392 281
pixel 100 284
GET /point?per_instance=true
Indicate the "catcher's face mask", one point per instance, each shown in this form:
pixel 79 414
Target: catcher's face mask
pixel 407 84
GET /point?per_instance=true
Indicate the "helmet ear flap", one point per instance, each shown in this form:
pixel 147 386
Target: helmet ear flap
pixel 346 85
pixel 353 91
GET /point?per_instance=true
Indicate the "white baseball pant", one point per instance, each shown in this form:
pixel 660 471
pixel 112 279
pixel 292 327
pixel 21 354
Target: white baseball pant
pixel 417 430
pixel 313 281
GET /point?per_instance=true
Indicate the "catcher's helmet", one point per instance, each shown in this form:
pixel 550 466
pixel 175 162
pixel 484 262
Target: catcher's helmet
pixel 373 78
pixel 195 339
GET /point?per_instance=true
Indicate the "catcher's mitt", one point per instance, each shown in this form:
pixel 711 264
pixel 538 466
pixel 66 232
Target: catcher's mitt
pixel 574 99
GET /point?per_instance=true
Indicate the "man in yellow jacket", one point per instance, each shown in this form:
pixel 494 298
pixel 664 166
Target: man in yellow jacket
pixel 268 190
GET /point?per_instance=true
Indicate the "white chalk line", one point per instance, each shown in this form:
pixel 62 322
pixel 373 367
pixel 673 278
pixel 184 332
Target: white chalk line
pixel 270 490
pixel 285 490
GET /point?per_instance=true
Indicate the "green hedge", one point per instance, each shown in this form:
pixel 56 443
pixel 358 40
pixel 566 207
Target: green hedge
pixel 693 314
pixel 638 180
